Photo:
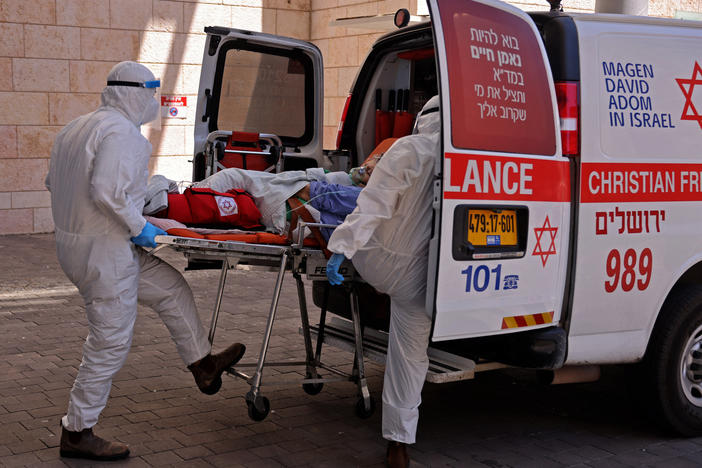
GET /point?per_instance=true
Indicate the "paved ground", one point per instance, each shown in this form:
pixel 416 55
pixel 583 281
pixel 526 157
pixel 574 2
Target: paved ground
pixel 494 421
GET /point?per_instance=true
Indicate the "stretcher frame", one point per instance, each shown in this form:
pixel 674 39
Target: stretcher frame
pixel 274 143
pixel 300 260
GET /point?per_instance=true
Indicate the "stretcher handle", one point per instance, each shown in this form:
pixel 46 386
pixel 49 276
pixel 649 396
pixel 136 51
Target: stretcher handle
pixel 273 140
pixel 303 224
pixel 246 152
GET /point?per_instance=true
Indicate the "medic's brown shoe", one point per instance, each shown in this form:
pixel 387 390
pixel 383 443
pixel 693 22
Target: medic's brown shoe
pixel 208 370
pixel 397 456
pixel 85 444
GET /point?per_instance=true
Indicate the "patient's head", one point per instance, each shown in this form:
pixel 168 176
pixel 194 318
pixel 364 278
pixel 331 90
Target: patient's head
pixel 361 175
pixel 369 166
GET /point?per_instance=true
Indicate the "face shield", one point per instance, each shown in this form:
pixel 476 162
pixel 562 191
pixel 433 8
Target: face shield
pixel 152 113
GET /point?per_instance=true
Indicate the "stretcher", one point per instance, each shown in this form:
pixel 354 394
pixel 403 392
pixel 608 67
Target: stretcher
pixel 301 261
pixel 256 151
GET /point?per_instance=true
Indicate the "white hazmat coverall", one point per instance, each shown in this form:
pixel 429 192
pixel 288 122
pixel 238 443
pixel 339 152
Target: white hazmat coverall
pixel 97 179
pixel 387 238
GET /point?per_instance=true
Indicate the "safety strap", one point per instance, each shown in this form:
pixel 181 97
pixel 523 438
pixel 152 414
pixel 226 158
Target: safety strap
pixel 298 210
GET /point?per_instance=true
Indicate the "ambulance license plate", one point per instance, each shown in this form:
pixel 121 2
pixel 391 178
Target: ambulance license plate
pixel 487 228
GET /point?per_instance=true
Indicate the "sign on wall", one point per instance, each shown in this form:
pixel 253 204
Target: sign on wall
pixel 174 107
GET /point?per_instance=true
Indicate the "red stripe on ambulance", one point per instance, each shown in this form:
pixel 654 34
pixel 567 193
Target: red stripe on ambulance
pixel 629 182
pixel 480 177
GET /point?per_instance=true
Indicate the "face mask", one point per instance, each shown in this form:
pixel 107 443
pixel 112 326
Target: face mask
pixel 357 175
pixel 151 111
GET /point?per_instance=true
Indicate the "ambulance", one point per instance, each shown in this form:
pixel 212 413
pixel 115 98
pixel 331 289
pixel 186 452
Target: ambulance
pixel 567 227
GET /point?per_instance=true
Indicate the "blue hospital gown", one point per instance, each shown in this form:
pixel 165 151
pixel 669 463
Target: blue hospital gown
pixel 333 201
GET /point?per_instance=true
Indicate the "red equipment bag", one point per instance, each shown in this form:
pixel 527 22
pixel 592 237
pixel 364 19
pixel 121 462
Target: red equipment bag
pixel 204 206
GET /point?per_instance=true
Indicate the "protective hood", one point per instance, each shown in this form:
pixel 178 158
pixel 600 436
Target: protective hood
pixel 137 104
pixel 429 119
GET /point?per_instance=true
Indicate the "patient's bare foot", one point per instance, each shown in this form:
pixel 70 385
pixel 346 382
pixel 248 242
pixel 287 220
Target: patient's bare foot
pixel 304 193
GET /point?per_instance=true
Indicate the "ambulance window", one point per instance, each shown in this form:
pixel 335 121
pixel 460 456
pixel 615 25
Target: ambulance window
pixel 499 90
pixel 265 91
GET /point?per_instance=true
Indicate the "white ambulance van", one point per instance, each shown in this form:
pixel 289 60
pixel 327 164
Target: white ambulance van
pixel 568 194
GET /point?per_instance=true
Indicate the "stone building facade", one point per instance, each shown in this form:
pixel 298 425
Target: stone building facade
pixel 55 55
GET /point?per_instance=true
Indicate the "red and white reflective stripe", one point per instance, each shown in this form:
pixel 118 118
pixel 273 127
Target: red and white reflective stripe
pixel 519 321
pixel 482 177
pixel 340 130
pixel 645 182
pixel 569 112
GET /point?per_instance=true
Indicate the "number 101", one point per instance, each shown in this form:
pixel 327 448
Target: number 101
pixel 481 280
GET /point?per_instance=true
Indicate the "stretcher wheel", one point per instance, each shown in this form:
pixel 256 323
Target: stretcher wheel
pixel 361 410
pixel 312 388
pixel 254 412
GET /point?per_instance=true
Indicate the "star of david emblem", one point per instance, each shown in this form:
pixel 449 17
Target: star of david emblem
pixel 687 86
pixel 226 206
pixel 538 249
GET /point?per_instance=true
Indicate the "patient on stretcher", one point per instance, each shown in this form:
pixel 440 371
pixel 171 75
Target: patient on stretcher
pixel 254 200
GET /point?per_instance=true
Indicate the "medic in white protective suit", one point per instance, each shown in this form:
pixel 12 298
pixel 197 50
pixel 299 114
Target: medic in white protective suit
pixel 387 238
pixel 97 179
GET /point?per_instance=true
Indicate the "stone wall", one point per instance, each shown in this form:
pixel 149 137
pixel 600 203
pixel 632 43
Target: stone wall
pixel 55 55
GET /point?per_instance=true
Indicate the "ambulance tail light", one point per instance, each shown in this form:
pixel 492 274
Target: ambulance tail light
pixel 341 122
pixel 569 112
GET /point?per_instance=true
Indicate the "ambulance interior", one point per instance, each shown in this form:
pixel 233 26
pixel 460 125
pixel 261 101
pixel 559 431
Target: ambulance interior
pixel 402 83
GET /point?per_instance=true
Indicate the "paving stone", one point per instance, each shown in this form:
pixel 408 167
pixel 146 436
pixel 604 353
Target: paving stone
pixel 188 453
pixel 23 459
pixel 677 462
pixel 48 464
pixel 230 458
pixel 162 458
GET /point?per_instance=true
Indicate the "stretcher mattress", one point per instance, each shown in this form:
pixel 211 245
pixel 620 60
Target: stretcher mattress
pixel 175 228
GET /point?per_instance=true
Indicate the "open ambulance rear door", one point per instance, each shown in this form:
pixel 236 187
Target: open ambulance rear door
pixel 259 83
pixel 499 251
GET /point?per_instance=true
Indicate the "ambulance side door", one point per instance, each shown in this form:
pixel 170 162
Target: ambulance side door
pixel 500 249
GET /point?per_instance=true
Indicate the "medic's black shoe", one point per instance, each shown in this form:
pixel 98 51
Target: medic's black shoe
pixel 208 370
pixel 85 444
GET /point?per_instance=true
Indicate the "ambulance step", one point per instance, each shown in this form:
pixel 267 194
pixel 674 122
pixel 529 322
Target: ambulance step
pixel 443 367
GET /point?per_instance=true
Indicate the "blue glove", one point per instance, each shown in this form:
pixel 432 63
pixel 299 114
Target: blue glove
pixel 146 236
pixel 333 269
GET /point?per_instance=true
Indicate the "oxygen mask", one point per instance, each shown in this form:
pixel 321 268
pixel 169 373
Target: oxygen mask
pixel 359 175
